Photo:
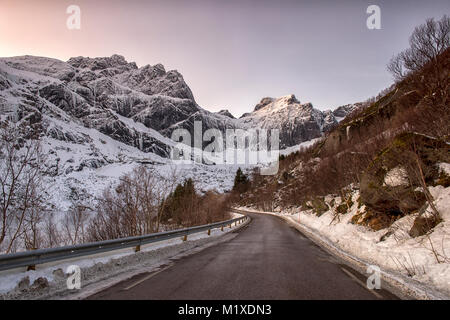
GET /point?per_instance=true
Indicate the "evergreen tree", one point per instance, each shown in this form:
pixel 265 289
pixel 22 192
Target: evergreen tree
pixel 240 181
pixel 179 202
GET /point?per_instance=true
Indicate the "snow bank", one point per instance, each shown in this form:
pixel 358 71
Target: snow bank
pixel 422 262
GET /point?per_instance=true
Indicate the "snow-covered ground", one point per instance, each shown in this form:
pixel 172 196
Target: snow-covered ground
pixel 75 178
pixel 95 268
pixel 427 257
pixel 91 182
pixel 298 147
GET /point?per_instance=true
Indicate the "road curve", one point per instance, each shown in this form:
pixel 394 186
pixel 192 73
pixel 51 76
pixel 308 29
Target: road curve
pixel 268 259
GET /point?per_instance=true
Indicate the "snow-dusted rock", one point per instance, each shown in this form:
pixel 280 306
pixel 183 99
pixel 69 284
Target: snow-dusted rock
pixel 342 111
pixel 226 113
pixel 295 121
pixel 395 177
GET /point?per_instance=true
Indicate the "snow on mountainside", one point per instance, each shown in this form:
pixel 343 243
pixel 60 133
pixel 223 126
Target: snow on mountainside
pixel 226 113
pixel 341 112
pixel 100 117
pixel 297 122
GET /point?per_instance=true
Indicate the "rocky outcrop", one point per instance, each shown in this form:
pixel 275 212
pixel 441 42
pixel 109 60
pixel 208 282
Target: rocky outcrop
pixel 342 111
pixel 391 186
pixel 264 102
pixel 295 121
pixel 226 113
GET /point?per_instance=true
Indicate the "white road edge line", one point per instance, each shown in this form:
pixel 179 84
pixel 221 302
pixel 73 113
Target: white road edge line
pixel 351 275
pixel 146 278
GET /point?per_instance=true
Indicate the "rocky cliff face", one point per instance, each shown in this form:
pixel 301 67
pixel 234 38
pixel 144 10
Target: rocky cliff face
pixel 297 122
pixel 342 111
pixel 226 113
pixel 107 94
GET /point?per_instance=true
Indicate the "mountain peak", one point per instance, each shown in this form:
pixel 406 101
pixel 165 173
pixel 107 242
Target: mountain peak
pixel 289 99
pixel 264 102
pixel 100 63
pixel 226 113
pixel 276 103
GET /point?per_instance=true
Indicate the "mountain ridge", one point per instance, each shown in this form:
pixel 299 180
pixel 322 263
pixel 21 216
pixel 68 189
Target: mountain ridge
pixel 138 106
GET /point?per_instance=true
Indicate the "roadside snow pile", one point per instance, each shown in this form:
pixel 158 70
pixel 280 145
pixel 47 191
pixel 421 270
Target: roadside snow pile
pixel 425 259
pixel 49 280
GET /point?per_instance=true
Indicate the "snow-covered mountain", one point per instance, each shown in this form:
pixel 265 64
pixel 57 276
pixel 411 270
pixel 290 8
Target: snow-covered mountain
pixel 137 106
pixel 100 117
pixel 297 122
pixel 129 104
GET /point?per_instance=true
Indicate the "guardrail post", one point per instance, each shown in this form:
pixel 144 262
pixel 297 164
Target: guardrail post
pixel 32 266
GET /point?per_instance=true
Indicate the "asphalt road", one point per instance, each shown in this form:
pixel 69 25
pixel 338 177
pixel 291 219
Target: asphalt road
pixel 268 259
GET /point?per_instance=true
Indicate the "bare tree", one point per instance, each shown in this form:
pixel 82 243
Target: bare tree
pixel 427 42
pixel 52 234
pixel 75 223
pixel 418 170
pixel 32 229
pixel 132 208
pixel 21 192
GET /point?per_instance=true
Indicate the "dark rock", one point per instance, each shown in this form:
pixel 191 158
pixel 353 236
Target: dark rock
pixel 343 111
pixel 226 113
pixel 386 235
pixel 400 200
pixel 58 273
pixel 91 163
pixel 39 283
pixel 373 219
pixel 422 225
pixel 319 206
pixel 264 102
pixel 24 284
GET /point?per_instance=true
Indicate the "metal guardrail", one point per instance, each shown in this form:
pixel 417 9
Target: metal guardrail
pixel 32 258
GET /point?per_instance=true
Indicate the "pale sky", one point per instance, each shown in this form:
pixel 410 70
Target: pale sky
pixel 231 53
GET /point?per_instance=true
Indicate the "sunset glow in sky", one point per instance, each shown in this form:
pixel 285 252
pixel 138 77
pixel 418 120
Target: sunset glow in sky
pixel 231 53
